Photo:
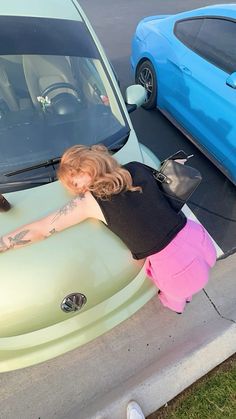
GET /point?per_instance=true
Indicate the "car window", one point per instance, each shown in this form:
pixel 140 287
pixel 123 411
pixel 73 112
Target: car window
pixel 212 38
pixel 187 30
pixel 54 93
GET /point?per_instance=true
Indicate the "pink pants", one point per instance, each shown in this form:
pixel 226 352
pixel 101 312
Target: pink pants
pixel 181 269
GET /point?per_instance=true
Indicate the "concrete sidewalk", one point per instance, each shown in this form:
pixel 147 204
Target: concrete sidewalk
pixel 151 357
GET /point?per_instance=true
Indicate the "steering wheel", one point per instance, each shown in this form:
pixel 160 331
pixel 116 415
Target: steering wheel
pixel 58 85
pixel 63 103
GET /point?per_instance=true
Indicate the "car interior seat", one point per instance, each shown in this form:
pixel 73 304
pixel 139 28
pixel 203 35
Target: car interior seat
pixel 42 71
pixel 6 91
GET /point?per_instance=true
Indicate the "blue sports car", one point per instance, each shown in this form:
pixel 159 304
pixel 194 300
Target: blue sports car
pixel 187 62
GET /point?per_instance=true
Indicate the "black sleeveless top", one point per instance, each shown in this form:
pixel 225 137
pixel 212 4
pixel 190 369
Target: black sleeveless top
pixel 144 221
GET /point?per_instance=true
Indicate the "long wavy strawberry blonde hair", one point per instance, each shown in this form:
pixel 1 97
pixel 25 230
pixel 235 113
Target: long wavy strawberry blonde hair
pixel 108 177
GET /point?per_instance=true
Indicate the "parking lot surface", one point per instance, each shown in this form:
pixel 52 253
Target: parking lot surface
pixel 115 23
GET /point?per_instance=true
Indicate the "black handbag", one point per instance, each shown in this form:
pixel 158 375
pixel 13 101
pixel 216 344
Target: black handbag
pixel 177 182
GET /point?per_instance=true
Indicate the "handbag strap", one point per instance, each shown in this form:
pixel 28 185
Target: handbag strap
pixel 157 174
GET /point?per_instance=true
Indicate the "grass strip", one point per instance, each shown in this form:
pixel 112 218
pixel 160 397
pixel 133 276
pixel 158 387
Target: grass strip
pixel 212 396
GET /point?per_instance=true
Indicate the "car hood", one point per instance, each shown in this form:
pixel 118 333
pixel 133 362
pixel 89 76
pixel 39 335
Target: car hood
pixel 34 280
pixel 42 8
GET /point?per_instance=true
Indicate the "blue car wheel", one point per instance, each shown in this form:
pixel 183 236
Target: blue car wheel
pixel 146 76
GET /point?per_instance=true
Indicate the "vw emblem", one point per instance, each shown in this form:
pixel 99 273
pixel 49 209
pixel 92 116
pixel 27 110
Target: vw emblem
pixel 73 302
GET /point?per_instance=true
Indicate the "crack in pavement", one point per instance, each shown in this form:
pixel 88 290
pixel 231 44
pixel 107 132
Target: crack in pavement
pixel 227 254
pixel 213 304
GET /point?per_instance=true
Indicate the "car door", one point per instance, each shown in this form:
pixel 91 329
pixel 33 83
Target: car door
pixel 210 100
pixel 170 54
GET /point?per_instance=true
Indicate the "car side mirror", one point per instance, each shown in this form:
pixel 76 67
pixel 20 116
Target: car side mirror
pixel 135 96
pixel 4 204
pixel 231 80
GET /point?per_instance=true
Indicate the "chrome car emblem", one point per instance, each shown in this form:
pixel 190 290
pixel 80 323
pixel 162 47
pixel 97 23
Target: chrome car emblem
pixel 73 302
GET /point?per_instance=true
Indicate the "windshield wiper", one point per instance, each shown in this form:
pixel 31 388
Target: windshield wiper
pixel 24 184
pixel 46 163
pixel 113 143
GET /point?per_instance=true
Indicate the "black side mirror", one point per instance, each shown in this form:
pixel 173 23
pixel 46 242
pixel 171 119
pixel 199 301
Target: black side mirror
pixel 4 204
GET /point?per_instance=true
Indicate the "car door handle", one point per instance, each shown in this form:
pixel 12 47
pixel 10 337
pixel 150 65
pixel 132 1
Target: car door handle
pixel 185 69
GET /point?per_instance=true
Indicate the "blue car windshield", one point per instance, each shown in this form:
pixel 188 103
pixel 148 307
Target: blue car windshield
pixel 54 93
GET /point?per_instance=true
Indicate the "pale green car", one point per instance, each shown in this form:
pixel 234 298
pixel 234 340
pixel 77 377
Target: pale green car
pixel 58 89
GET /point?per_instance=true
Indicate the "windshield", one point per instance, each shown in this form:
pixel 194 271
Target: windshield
pixel 54 93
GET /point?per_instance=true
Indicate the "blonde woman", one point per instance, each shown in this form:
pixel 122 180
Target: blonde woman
pixel 127 199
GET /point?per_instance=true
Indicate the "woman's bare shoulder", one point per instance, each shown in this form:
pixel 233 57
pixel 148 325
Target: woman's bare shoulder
pixel 92 207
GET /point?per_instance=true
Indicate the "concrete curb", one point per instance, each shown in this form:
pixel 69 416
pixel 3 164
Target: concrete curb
pixel 158 384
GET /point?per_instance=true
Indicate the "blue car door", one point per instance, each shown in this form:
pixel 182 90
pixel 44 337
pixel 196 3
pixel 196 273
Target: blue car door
pixel 208 108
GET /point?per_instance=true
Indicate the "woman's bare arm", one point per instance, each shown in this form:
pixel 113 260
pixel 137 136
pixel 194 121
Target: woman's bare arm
pixel 70 214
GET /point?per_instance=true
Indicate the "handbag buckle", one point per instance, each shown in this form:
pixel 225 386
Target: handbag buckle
pixel 160 177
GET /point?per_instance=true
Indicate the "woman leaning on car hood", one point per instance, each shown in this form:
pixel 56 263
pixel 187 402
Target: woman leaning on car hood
pixel 127 199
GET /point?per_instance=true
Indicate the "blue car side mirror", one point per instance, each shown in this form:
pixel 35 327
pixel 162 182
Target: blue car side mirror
pixel 231 80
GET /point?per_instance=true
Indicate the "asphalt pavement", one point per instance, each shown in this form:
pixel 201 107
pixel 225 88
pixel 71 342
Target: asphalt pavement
pixel 115 23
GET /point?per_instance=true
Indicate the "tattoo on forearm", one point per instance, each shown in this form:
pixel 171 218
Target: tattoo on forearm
pixel 50 233
pixel 68 207
pixel 3 246
pixel 17 240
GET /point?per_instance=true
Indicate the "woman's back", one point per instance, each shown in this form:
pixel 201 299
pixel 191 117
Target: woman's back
pixel 143 220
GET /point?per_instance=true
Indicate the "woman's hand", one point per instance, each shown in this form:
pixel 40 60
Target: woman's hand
pixel 3 245
pixel 181 161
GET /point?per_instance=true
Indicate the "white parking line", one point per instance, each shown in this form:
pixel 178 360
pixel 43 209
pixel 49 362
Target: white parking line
pixel 187 211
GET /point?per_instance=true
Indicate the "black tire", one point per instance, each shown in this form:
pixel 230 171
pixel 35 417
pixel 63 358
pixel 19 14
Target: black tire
pixel 146 76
